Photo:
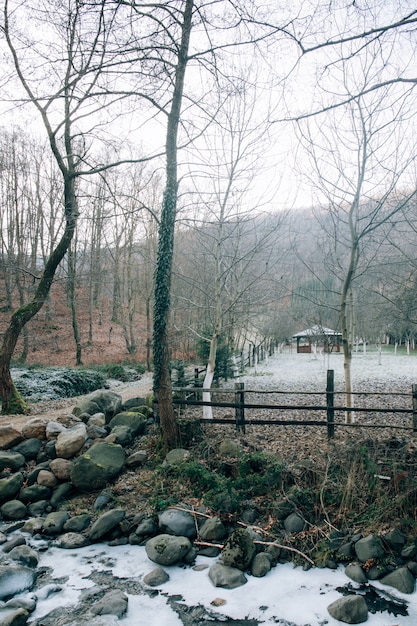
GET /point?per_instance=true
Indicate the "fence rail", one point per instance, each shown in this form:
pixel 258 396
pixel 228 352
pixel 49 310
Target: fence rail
pixel 189 396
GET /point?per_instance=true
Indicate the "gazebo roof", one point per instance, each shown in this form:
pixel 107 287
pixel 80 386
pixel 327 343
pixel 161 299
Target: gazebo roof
pixel 318 331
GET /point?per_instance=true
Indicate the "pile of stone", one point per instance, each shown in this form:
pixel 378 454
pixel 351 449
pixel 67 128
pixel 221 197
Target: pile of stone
pixel 48 461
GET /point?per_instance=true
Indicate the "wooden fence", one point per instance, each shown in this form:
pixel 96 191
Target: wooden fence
pixel 189 396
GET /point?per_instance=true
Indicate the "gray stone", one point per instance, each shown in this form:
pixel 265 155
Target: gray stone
pixel 134 403
pixel 213 529
pixel 33 526
pixel 409 552
pixel 26 602
pixel 147 528
pixel 54 522
pixel 179 523
pixel 15 540
pixel 37 509
pixel 9 487
pixel 114 602
pixel 121 434
pixel 412 567
pixel 71 540
pixel 261 565
pixel 24 555
pixel 77 523
pixel 350 610
pixel 98 419
pixel 369 547
pixel 47 479
pixel 70 441
pixel 9 437
pixel 176 457
pixel 15 579
pixel 29 448
pixel 167 549
pixel 100 401
pixel 61 468
pixel 238 550
pixel 156 577
pixel 13 509
pixel 60 494
pixel 137 458
pixel 34 493
pixel 229 448
pixel 401 579
pixel 294 523
pixel 136 422
pixel 283 509
pixel 395 539
pixel 355 573
pixel 105 523
pixel 35 428
pixel 226 577
pixel 53 429
pixel 12 460
pixel 96 467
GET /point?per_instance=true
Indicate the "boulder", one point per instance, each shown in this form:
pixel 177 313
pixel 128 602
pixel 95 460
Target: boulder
pixel 29 448
pixel 61 468
pixel 11 459
pixel 395 539
pixel 25 555
pixel 146 528
pixel 226 577
pixel 47 479
pixel 229 448
pixel 350 610
pixel 137 459
pixel 9 437
pixel 33 493
pixel 114 602
pixel 213 529
pixel 179 523
pixel 105 523
pixel 261 565
pixel 401 579
pixel 134 403
pixel 369 547
pixel 17 617
pixel 294 523
pixel 71 541
pixel 156 577
pixel 13 510
pixel 238 550
pixel 100 401
pixel 96 467
pixel 60 494
pixel 77 523
pixel 53 429
pixel 136 422
pixel 121 434
pixel 54 522
pixel 70 441
pixel 175 457
pixel 10 486
pixel 35 428
pixel 167 549
pixel 356 573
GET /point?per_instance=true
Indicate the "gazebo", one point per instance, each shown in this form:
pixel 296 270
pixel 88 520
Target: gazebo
pixel 327 338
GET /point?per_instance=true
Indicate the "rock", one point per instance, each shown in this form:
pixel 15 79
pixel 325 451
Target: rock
pixel 60 494
pixel 16 540
pixel 395 539
pixel 179 523
pixel 350 610
pixel 120 434
pixel 175 457
pixel 167 549
pixel 213 529
pixel 105 523
pixel 28 602
pixel 238 550
pixel 294 523
pixel 34 493
pixel 95 468
pixel 29 448
pixel 156 577
pixel 401 579
pixel 54 522
pixel 100 401
pixel 9 437
pixel 229 448
pixel 47 479
pixel 77 523
pixel 261 565
pixel 134 403
pixel 53 429
pixel 136 422
pixel 13 509
pixel 15 579
pixel 147 528
pixel 12 460
pixel 226 577
pixel 113 602
pixel 98 419
pixel 18 617
pixel 9 487
pixel 61 468
pixel 36 509
pixel 356 573
pixel 137 458
pixel 33 526
pixel 70 441
pixel 71 540
pixel 24 555
pixel 35 428
pixel 102 501
pixel 409 552
pixel 369 547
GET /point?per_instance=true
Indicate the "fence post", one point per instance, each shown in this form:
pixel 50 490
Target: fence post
pixel 240 406
pixel 414 388
pixel 330 403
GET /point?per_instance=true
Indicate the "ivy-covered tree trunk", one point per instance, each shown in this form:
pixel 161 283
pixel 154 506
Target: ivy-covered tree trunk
pixel 163 271
pixel 11 401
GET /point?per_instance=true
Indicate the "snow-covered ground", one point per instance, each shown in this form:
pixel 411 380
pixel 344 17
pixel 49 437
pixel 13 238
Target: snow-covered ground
pixel 286 594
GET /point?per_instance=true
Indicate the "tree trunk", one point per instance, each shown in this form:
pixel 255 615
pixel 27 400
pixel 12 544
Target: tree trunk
pixel 163 271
